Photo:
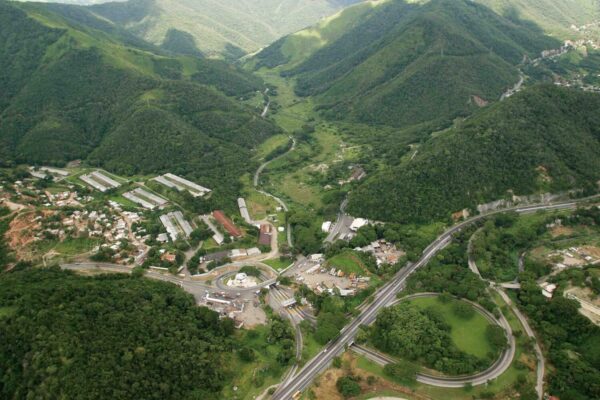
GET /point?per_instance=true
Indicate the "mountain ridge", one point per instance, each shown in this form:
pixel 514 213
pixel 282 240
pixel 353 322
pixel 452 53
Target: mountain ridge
pixel 421 59
pixel 86 95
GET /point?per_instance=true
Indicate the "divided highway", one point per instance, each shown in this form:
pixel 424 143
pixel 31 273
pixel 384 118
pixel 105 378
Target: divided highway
pixel 383 297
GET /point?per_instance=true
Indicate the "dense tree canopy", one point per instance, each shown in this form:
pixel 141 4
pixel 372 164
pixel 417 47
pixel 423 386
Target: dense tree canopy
pixel 421 335
pixel 107 337
pixel 544 139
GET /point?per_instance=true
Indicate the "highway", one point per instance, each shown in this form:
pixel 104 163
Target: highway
pixel 383 297
pixel 495 370
pixel 341 227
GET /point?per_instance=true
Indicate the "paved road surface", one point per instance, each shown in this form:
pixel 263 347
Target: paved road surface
pixel 494 371
pixel 383 297
pixel 197 289
pixel 341 227
pixel 541 366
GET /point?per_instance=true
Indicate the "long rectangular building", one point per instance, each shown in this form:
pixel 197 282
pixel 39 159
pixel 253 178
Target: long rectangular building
pixel 169 226
pixel 183 224
pixel 227 223
pixel 218 236
pixel 93 183
pixel 99 181
pixel 162 180
pixel 159 201
pixel 176 225
pixel 244 210
pixel 179 183
pixel 105 180
pixel 138 200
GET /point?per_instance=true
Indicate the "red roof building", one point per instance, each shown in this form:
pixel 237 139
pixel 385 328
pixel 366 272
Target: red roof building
pixel 227 223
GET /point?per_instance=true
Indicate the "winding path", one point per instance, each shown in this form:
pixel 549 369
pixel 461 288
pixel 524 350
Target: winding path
pixel 499 288
pixel 256 182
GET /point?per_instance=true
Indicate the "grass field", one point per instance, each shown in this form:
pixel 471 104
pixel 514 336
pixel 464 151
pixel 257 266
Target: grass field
pixel 310 346
pixel 269 145
pixel 68 247
pixel 501 387
pixel 468 335
pixel 277 264
pixel 349 263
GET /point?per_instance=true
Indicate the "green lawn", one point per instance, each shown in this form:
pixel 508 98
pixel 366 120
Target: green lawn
pixel 68 247
pixel 71 247
pixel 277 264
pixel 468 335
pixel 500 386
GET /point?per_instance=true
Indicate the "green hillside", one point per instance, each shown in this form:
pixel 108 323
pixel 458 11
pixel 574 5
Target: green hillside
pixel 68 91
pixel 543 139
pixel 230 28
pixel 403 63
pixel 554 16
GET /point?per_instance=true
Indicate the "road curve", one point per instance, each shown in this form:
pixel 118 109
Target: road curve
pixel 256 182
pixel 495 370
pixel 541 365
pixel 386 294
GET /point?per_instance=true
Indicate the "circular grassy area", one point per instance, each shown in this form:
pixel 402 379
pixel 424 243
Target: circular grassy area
pixel 468 334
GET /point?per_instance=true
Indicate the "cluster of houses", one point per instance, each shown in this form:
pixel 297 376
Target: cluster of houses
pixel 383 251
pixel 322 278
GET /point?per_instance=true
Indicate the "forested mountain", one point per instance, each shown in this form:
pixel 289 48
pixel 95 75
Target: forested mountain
pixel 227 29
pixel 405 63
pixel 70 90
pixel 109 337
pixel 545 139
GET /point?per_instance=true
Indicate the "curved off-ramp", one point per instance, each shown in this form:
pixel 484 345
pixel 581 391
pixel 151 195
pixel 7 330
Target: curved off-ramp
pixel 480 378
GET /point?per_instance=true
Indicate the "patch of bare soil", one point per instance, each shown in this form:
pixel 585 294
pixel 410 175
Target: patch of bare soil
pixel 592 251
pixel 21 230
pixel 325 387
pixel 561 231
pixel 479 102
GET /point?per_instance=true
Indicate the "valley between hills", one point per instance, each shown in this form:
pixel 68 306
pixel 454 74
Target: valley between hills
pixel 398 201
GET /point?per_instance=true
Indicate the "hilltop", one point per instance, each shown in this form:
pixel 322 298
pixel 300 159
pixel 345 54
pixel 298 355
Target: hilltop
pixel 83 91
pixel 399 64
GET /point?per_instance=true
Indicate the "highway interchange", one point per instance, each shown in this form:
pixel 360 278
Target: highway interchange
pixel 383 297
pixel 297 380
